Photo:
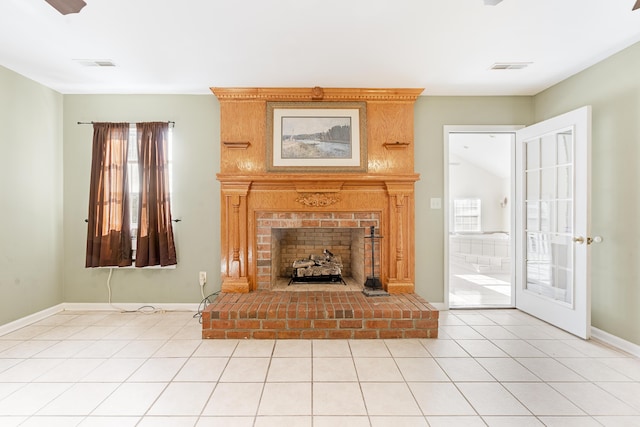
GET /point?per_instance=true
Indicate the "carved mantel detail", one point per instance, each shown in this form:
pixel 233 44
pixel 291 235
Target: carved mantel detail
pixel 315 200
pixel 317 93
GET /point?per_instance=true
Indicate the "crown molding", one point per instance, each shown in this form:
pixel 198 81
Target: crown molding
pixel 315 94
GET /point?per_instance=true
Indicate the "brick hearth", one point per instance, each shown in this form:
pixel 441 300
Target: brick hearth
pixel 317 315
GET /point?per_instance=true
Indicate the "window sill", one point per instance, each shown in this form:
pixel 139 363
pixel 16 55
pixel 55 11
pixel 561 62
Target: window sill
pixel 151 267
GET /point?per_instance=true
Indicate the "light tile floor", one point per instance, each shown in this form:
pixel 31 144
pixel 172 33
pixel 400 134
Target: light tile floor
pixel 469 288
pixel 488 368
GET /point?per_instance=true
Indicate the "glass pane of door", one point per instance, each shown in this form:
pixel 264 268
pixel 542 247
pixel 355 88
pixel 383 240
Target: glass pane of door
pixel 549 216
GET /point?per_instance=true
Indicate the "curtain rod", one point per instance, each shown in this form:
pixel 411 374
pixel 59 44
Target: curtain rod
pixel 171 123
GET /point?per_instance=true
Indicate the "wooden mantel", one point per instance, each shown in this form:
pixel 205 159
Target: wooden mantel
pixel 315 94
pixel 248 189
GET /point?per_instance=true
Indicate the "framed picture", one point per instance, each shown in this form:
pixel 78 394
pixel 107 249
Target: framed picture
pixel 316 137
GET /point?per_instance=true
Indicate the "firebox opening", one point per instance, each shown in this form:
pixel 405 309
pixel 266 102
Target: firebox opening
pixel 289 245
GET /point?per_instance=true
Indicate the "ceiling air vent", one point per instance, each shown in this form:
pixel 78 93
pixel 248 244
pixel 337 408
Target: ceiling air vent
pixel 95 62
pixel 510 65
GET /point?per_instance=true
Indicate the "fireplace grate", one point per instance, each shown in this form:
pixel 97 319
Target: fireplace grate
pixel 327 278
pixel 318 269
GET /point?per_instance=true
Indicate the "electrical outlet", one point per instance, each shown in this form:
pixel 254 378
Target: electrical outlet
pixel 202 278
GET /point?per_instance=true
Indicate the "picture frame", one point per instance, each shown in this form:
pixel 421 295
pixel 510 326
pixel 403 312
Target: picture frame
pixel 316 137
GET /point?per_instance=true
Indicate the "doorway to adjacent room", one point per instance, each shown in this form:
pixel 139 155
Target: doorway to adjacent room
pixel 479 170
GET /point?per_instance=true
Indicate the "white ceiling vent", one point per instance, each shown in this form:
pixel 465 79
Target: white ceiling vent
pixel 510 65
pixel 95 62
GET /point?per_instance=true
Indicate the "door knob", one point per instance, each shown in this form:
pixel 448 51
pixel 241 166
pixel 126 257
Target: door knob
pixel 580 240
pixel 596 239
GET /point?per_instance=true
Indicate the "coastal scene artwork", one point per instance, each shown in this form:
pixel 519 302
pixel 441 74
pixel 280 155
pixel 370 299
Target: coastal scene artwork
pixel 308 136
pixel 316 137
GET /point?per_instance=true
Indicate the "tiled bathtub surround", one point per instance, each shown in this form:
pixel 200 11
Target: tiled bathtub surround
pixel 481 252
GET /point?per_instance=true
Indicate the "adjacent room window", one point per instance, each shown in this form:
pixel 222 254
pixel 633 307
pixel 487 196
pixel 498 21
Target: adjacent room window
pixel 130 196
pixel 467 215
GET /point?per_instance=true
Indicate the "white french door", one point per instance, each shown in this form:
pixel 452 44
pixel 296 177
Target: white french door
pixel 553 221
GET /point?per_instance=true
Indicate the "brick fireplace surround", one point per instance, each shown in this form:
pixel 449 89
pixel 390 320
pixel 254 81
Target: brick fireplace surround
pixel 257 198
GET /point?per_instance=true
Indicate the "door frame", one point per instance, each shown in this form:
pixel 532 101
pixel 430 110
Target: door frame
pixel 447 130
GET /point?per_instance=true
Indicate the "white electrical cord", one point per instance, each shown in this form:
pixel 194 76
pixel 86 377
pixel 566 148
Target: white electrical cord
pixel 150 309
pixel 109 284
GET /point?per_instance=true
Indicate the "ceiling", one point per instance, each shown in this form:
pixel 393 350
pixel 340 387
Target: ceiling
pixel 185 47
pixel 488 151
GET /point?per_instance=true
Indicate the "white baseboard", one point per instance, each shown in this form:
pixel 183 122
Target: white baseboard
pixel 80 306
pixel 614 341
pixel 30 319
pixel 440 306
pixel 129 306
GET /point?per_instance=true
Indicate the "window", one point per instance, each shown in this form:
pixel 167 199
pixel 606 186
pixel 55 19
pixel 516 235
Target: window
pixel 133 171
pixel 467 215
pixel 130 196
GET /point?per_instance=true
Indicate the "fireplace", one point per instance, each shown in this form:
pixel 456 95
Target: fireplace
pixel 286 237
pixel 271 216
pixel 257 202
pixel 314 255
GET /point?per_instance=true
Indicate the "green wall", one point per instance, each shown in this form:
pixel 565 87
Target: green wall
pixel 612 88
pixel 195 198
pixel 31 195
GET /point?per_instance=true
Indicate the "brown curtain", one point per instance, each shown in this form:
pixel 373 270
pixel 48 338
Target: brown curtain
pixel 155 232
pixel 108 234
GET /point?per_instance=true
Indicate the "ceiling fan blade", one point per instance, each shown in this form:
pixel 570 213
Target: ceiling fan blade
pixel 637 5
pixel 66 7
